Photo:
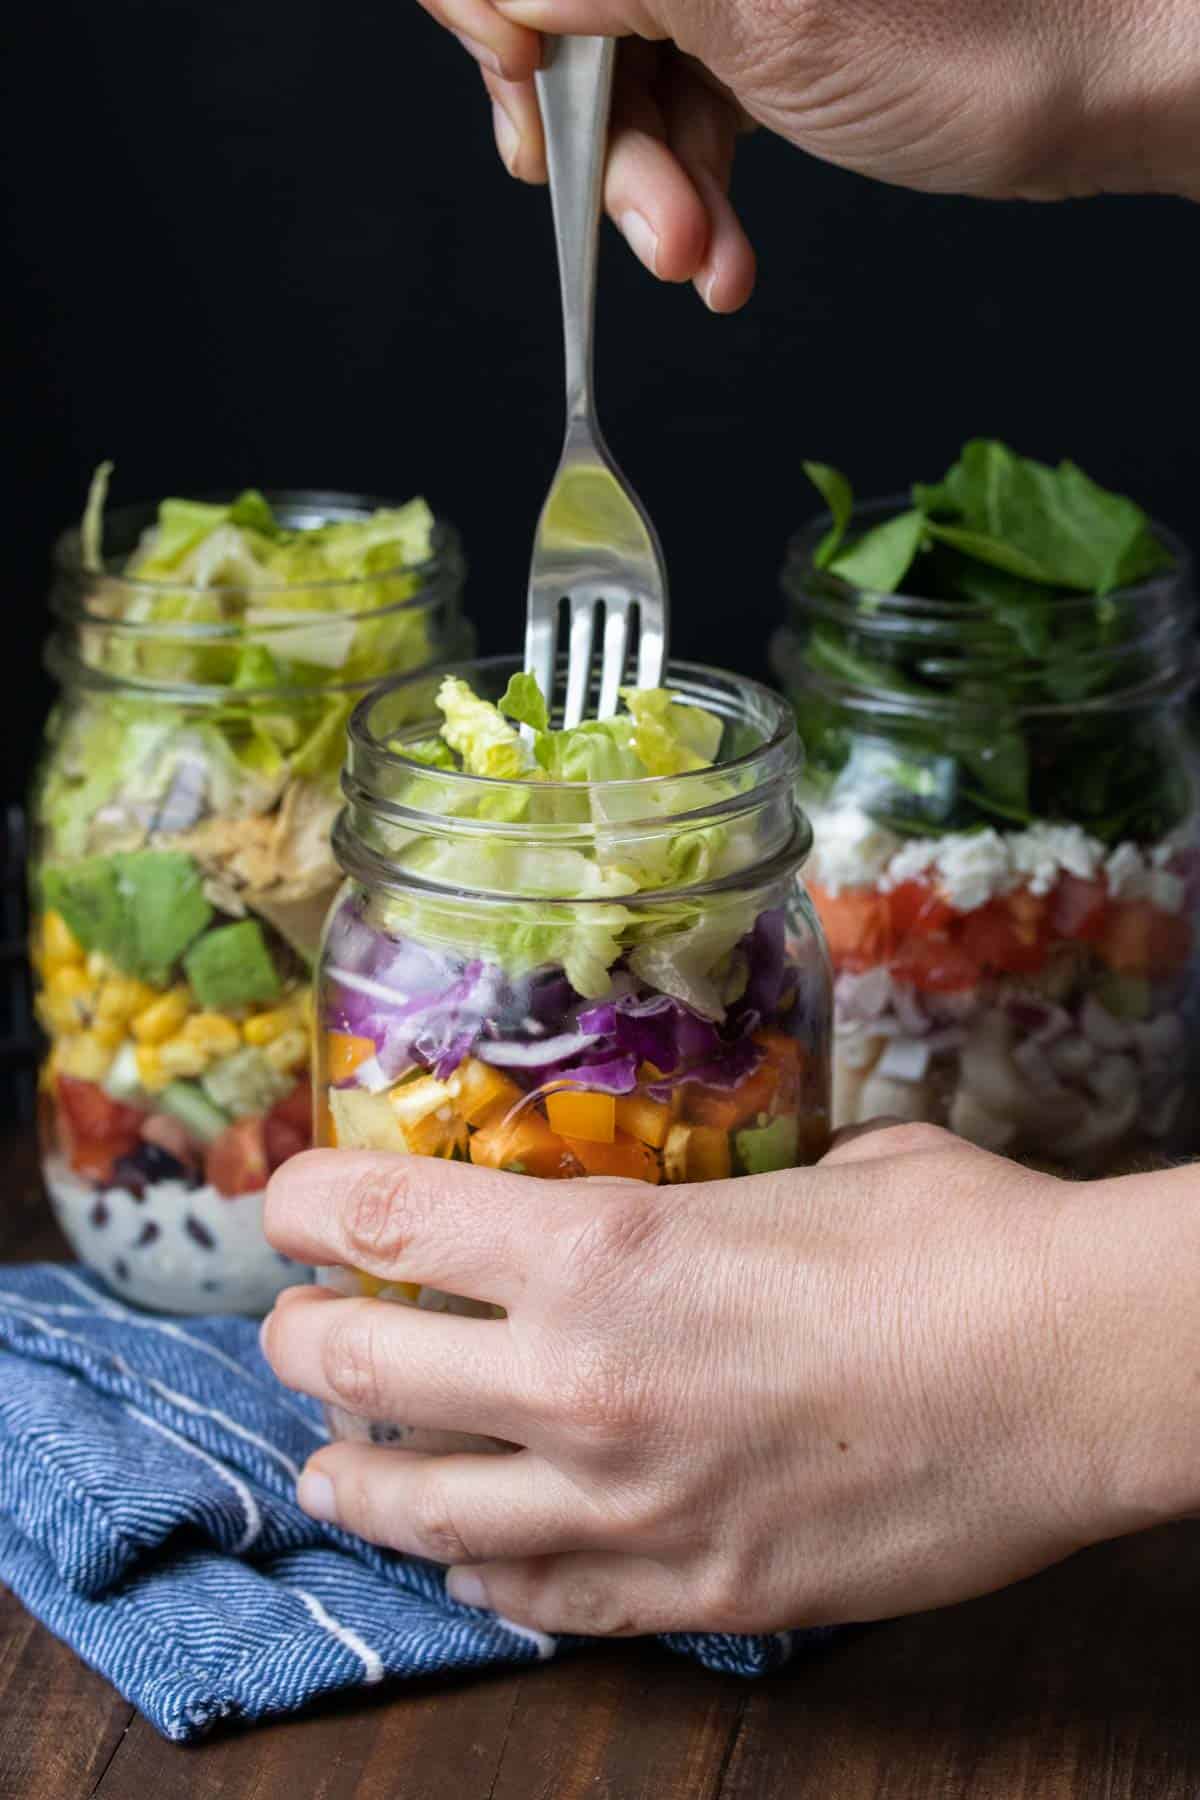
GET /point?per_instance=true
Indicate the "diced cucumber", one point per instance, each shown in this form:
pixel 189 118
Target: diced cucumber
pixel 761 1148
pixel 184 1101
pixel 245 1084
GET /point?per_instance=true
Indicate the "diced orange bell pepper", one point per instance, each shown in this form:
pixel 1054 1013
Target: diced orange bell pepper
pixel 624 1156
pixel 526 1143
pixel 436 1136
pixel 346 1053
pixel 697 1153
pixel 643 1118
pixel 725 1111
pixel 481 1091
pixel 577 1114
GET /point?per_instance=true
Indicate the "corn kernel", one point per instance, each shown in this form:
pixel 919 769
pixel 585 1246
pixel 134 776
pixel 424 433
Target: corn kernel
pixel 108 1031
pixel 211 1032
pixel 151 1074
pixel 265 1027
pixel 180 1060
pixel 162 1018
pixel 70 981
pixel 59 943
pixel 56 1017
pixel 288 1052
pixel 121 997
pixel 83 1057
pixel 98 965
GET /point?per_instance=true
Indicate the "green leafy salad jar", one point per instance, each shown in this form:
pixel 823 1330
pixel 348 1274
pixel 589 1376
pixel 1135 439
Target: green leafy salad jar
pixel 209 655
pixel 575 953
pixel 992 682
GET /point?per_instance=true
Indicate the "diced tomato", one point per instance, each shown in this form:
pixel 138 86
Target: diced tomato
pixel 96 1160
pixel 93 1115
pixel 625 1156
pixel 296 1108
pixel 1139 939
pixel 1078 909
pixel 856 924
pixel 936 964
pixel 237 1162
pixel 914 906
pixel 169 1134
pixel 282 1139
pixel 996 938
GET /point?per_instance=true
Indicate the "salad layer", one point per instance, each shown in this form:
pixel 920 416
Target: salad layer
pixel 185 870
pixel 688 1045
pixel 992 686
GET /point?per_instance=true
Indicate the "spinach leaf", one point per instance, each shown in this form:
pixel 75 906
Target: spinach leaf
pixel 879 560
pixel 838 496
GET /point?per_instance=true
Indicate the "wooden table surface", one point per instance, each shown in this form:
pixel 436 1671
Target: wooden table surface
pixel 1081 1682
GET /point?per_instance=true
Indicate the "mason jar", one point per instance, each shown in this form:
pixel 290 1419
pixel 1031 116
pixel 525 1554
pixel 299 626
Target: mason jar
pixel 1007 859
pixel 620 979
pixel 181 871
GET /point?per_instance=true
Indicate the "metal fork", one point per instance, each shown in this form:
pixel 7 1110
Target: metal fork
pixel 594 546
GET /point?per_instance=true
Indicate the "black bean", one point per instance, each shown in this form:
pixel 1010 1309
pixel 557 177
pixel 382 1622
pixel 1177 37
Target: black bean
pixel 199 1233
pixel 99 1215
pixel 127 1173
pixel 147 1234
pixel 121 1269
pixel 157 1164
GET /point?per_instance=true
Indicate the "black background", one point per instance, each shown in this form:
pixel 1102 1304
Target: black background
pixel 263 244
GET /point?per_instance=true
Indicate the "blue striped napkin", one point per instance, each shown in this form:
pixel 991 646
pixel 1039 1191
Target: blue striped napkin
pixel 147 1467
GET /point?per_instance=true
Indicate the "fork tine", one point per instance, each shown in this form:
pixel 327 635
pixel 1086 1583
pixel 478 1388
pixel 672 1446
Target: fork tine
pixel 541 646
pixel 652 642
pixel 579 658
pixel 616 649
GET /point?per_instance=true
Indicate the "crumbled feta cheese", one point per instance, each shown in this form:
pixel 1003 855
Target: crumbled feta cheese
pixel 1125 872
pixel 973 866
pixel 1166 891
pixel 1043 852
pixel 912 863
pixel 850 849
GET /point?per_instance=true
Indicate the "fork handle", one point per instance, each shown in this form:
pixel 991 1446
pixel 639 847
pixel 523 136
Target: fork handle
pixel 574 88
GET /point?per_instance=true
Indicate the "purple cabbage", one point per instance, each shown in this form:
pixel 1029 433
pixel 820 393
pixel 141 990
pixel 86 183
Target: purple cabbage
pixel 725 1072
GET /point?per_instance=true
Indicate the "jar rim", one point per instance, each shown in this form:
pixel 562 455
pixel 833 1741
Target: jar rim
pixel 323 506
pixel 782 740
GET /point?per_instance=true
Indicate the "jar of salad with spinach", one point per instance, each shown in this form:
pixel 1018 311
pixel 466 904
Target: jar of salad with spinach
pixel 208 656
pixel 571 953
pixel 992 681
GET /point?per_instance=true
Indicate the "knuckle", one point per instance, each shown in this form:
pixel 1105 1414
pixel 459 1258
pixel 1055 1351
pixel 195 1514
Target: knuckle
pixel 376 1211
pixel 915 1138
pixel 615 1229
pixel 599 1398
pixel 594 1609
pixel 350 1359
pixel 434 1530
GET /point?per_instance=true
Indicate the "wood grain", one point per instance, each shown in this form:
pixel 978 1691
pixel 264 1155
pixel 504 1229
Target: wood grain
pixel 1078 1685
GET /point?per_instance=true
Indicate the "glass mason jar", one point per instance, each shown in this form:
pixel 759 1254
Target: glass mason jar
pixel 1007 858
pixel 181 872
pixel 620 978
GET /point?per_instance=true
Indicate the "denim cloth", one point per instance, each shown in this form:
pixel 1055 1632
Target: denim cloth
pixel 147 1472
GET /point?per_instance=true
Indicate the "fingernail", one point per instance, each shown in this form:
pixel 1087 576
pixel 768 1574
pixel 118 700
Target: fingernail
pixel 707 293
pixel 508 138
pixel 465 1586
pixel 262 1334
pixel 480 52
pixel 314 1492
pixel 641 237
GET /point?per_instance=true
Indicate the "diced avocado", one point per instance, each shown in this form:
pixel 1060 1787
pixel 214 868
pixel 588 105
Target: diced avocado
pixel 87 896
pixel 363 1121
pixel 761 1148
pixel 165 908
pixel 245 1084
pixel 231 966
pixel 194 1110
pixel 141 908
pixel 1124 996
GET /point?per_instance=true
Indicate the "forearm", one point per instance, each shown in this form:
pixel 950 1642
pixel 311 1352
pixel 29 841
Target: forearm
pixel 1124 1293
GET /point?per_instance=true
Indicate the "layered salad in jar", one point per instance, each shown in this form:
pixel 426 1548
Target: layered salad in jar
pixel 183 868
pixel 571 953
pixel 992 684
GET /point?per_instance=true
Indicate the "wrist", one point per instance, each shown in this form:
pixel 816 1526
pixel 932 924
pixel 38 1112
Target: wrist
pixel 1126 1330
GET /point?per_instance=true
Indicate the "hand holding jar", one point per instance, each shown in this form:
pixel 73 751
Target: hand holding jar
pixel 906 1376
